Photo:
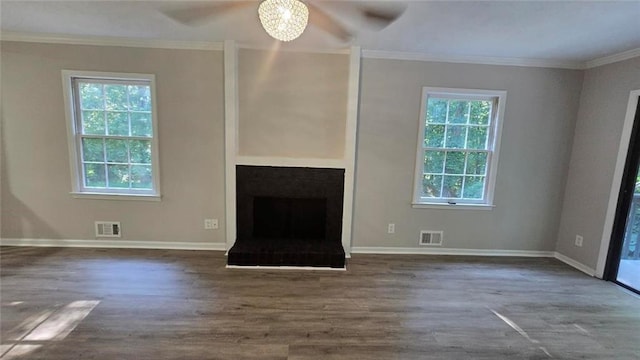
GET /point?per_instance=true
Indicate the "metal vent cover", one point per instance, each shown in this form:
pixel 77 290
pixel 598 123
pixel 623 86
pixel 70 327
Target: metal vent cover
pixel 431 238
pixel 108 229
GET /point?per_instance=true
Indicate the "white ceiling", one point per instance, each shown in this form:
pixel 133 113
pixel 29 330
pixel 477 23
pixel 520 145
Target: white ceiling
pixel 576 31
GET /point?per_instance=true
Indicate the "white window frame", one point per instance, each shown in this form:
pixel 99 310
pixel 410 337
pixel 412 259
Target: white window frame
pixel 74 138
pixel 493 151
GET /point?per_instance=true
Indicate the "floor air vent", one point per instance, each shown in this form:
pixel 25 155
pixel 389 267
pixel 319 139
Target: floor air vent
pixel 107 229
pixel 432 238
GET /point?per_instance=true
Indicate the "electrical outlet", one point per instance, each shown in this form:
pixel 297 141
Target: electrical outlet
pixel 210 224
pixel 579 239
pixel 391 228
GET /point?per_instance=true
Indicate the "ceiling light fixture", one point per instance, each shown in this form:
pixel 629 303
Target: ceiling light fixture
pixel 284 20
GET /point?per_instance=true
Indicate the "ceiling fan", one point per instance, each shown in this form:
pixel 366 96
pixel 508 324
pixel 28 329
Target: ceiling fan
pixel 285 20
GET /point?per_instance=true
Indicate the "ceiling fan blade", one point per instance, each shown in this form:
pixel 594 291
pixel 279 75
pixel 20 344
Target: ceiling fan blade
pixel 382 17
pixel 200 14
pixel 327 23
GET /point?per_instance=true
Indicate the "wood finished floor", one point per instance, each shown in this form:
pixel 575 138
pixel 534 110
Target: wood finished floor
pixel 154 304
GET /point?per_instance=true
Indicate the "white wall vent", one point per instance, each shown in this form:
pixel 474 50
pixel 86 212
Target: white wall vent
pixel 431 238
pixel 108 229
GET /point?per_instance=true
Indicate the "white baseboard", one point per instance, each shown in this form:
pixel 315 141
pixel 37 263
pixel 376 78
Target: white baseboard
pixel 128 244
pixel 473 252
pixel 118 244
pixel 575 264
pixel 449 251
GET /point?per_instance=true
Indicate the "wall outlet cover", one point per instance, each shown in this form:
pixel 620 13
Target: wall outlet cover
pixel 579 240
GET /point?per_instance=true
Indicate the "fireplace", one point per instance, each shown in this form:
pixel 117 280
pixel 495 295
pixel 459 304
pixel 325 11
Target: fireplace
pixel 288 216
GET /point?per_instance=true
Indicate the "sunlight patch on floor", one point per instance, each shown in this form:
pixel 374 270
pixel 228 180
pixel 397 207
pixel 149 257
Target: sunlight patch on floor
pixel 19 350
pixel 19 332
pixel 48 325
pixel 62 322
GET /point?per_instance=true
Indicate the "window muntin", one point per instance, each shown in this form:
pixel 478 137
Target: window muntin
pixel 114 134
pixel 457 147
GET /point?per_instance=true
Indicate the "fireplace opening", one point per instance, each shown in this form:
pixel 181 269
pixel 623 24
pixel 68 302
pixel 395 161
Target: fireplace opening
pixel 289 218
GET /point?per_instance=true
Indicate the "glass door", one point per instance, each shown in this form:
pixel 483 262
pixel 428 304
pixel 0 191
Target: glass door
pixel 623 265
pixel 629 268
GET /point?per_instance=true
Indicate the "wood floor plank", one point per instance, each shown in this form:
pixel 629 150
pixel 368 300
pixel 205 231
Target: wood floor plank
pixel 164 304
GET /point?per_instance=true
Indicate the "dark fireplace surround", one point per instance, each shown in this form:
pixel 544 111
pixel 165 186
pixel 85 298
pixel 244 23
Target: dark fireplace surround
pixel 288 216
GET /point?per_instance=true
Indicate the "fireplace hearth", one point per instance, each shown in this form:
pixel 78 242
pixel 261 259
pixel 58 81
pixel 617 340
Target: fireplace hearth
pixel 288 216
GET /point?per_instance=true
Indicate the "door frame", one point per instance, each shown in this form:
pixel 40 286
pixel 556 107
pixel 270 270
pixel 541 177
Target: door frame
pixel 614 194
pixel 625 199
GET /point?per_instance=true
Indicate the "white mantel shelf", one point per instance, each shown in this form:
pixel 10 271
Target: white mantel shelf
pixel 291 162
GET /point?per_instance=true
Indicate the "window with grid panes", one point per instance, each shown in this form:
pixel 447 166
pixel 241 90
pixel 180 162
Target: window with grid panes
pixel 457 149
pixel 114 133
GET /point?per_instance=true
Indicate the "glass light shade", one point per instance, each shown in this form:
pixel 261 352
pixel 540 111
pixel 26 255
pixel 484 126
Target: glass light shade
pixel 284 20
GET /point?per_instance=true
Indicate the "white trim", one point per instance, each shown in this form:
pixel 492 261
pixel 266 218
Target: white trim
pixel 371 54
pixel 482 60
pixel 74 133
pixel 623 149
pixel 575 264
pixel 446 206
pixel 102 75
pixel 105 196
pixel 109 41
pixel 610 59
pixel 161 245
pixel 155 140
pixel 71 130
pixel 230 137
pixel 114 244
pixel 290 162
pixel 350 146
pixel 115 196
pixel 304 268
pixel 281 47
pixel 449 251
pixel 495 136
pixel 472 252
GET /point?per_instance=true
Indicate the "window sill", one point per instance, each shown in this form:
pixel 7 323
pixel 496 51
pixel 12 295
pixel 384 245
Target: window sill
pixel 105 196
pixel 452 206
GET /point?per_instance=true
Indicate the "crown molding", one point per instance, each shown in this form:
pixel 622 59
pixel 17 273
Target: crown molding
pixel 610 59
pixel 482 60
pixel 346 51
pixel 109 41
pixel 370 54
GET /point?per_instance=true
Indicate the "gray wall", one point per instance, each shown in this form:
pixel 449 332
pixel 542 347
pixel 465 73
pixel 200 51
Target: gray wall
pixel 292 104
pixel 35 169
pixel 539 122
pixel 537 142
pixel 603 105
